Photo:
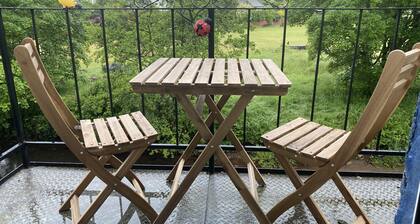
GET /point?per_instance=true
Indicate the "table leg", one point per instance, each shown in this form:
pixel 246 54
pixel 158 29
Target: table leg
pixel 196 139
pixel 213 145
pixel 235 141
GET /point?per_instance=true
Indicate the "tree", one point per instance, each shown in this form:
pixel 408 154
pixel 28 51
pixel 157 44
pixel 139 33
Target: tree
pixel 376 35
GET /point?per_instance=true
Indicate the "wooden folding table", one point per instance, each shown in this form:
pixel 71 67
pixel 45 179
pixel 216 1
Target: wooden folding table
pixel 181 77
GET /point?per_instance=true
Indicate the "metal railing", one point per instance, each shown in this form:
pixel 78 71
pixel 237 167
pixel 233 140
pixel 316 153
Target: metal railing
pixel 16 114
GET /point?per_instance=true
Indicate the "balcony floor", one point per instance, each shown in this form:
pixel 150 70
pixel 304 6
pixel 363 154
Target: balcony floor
pixel 34 195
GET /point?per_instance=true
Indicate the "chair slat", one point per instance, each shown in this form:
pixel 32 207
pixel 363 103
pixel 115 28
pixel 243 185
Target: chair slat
pixel 103 132
pixel 203 76
pixel 144 124
pixel 275 71
pixel 309 138
pixel 297 133
pixel 317 146
pixel 160 74
pixel 117 130
pixel 191 72
pixel 218 77
pixel 176 73
pixel 150 70
pixel 130 127
pixel 233 77
pixel 89 137
pixel 329 151
pixel 285 128
pixel 247 73
pixel 262 73
pixel 408 72
pixel 412 56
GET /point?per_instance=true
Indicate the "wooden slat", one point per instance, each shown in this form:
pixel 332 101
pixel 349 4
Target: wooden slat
pixel 130 127
pixel 75 209
pixel 218 77
pixel 247 73
pixel 252 181
pixel 233 77
pixel 359 220
pixel 117 130
pixel 89 137
pixel 329 151
pixel 408 72
pixel 103 132
pixel 203 76
pixel 144 124
pixel 285 128
pixel 191 72
pixel 262 73
pixel 412 56
pixel 329 138
pixel 146 73
pixel 297 133
pixel 176 73
pixel 277 74
pixel 309 138
pixel 175 182
pixel 160 74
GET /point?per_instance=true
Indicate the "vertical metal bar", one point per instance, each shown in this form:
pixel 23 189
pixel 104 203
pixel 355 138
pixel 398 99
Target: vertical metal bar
pixel 283 48
pixel 211 55
pixel 107 61
pixel 247 32
pixel 174 55
pixel 353 67
pixel 139 56
pixel 11 90
pixel 73 62
pixel 394 46
pixel 317 63
pixel 247 56
pixel 34 31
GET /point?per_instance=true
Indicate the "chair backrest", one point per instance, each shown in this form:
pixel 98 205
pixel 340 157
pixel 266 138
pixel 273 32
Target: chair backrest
pixel 398 74
pixel 44 91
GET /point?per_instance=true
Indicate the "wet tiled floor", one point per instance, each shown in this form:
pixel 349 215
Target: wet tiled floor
pixel 34 195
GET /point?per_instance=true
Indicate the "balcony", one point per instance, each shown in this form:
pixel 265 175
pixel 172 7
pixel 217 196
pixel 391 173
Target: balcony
pixel 38 172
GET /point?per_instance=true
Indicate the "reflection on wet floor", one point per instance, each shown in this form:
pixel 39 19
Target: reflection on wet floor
pixel 34 195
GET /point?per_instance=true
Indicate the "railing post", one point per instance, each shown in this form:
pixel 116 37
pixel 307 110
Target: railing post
pixel 211 55
pixel 283 47
pixel 11 90
pixel 318 56
pixel 174 55
pixel 73 63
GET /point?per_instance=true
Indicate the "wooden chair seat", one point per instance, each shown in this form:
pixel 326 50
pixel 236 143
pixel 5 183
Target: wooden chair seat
pixel 306 141
pixel 117 134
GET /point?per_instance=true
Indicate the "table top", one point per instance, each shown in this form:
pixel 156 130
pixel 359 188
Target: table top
pixel 212 77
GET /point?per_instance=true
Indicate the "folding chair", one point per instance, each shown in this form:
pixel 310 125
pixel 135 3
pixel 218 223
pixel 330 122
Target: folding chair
pixel 328 149
pixel 94 143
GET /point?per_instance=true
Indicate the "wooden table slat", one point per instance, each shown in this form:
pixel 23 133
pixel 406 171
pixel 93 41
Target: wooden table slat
pixel 262 73
pixel 146 73
pixel 247 73
pixel 233 73
pixel 275 71
pixel 191 72
pixel 203 76
pixel 176 73
pixel 218 77
pixel 160 74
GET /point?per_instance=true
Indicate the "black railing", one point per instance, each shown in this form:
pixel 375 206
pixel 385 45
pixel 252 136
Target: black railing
pixel 22 144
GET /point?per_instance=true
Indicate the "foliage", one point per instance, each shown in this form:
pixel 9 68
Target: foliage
pixel 376 36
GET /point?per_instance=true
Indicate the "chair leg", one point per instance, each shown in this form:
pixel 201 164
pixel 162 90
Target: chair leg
pixel 348 196
pixel 103 195
pixel 82 186
pixel 297 182
pixel 116 163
